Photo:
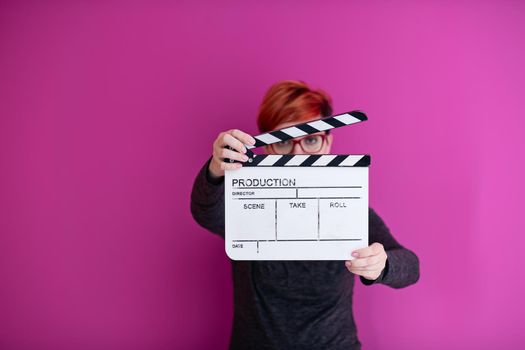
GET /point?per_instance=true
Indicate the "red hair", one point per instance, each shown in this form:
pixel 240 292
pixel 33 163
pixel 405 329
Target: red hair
pixel 291 100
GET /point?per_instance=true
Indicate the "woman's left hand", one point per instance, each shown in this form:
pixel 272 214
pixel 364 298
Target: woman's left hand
pixel 369 262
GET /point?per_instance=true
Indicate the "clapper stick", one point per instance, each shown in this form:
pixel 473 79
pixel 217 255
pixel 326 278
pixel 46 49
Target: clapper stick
pixel 303 129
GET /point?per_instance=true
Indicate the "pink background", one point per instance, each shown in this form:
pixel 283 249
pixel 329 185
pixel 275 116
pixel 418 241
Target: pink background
pixel 109 109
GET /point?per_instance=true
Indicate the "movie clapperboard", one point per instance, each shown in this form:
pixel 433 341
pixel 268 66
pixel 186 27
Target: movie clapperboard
pixel 298 207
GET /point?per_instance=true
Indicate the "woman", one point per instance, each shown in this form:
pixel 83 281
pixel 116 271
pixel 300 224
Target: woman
pixel 295 304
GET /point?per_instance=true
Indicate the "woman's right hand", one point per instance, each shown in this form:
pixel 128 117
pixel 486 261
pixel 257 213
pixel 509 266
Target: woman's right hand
pixel 236 139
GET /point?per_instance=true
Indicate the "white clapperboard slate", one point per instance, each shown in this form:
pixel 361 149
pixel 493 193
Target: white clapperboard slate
pixel 298 207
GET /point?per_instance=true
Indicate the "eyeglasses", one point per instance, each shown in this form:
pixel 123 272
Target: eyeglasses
pixel 309 144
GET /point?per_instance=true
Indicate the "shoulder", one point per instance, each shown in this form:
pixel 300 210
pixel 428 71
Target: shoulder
pixel 375 222
pixel 373 216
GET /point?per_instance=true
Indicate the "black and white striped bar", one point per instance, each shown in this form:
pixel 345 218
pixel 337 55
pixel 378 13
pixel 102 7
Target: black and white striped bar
pixel 308 128
pixel 305 160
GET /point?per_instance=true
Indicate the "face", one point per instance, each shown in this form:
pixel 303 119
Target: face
pixel 308 142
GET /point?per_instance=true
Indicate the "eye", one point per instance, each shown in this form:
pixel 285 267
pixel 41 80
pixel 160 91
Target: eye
pixel 311 140
pixel 283 144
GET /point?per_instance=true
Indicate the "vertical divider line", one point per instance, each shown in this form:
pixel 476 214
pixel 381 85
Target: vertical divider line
pixel 276 220
pixel 318 218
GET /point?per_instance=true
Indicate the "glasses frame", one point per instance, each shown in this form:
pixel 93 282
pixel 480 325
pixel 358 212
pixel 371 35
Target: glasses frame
pixel 298 141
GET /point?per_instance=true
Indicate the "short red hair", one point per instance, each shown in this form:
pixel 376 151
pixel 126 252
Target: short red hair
pixel 291 100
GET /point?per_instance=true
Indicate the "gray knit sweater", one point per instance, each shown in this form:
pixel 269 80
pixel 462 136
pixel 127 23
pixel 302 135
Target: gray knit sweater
pixel 296 304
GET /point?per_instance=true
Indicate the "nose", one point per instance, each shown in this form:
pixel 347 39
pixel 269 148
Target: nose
pixel 297 149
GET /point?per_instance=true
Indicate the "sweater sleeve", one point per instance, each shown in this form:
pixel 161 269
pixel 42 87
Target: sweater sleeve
pixel 402 265
pixel 207 201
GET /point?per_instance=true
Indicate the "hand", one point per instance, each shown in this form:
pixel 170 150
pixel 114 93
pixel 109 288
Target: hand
pixel 236 139
pixel 369 262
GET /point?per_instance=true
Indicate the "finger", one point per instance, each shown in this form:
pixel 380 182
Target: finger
pixel 243 137
pixel 373 249
pixel 229 140
pixel 362 262
pixel 374 267
pixel 226 153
